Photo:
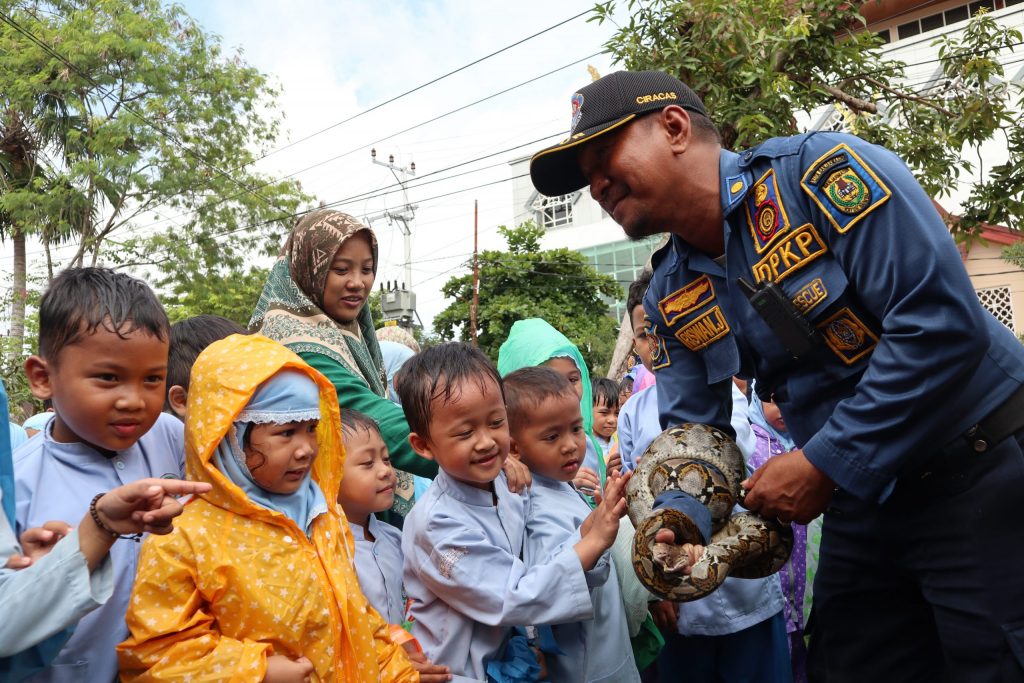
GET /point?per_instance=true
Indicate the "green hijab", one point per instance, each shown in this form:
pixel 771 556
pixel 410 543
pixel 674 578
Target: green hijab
pixel 290 309
pixel 533 342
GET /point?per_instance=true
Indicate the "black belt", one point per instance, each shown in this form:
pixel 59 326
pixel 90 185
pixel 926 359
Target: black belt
pixel 1005 420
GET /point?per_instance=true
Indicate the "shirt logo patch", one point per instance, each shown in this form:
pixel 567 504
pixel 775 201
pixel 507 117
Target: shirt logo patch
pixel 703 330
pixel 810 295
pixel 766 216
pixel 447 559
pixel 847 336
pixel 659 353
pixel 795 251
pixel 689 298
pixel 844 187
pixel 577 111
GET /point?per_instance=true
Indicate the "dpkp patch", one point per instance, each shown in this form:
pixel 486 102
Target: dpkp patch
pixel 795 251
pixel 704 330
pixel 847 336
pixel 689 298
pixel 844 187
pixel 766 216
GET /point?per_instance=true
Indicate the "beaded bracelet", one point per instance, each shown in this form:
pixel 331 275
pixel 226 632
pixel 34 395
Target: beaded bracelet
pixel 103 527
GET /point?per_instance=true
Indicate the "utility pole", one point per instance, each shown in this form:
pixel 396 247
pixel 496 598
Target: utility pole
pixel 476 274
pixel 399 304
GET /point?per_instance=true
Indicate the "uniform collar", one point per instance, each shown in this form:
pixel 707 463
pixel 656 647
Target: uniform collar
pixel 735 179
pixel 465 493
pixel 549 483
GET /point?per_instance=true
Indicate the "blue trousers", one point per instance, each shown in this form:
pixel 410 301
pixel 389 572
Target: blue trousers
pixel 758 654
pixel 928 586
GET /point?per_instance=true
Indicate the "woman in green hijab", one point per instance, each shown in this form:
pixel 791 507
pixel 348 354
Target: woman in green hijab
pixel 314 303
pixel 533 342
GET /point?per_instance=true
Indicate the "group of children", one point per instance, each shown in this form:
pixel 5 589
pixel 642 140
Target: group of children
pixel 280 570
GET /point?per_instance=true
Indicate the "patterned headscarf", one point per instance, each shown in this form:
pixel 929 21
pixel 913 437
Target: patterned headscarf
pixel 290 309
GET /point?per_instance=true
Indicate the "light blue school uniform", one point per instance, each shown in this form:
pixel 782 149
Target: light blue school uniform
pixel 601 645
pixel 56 481
pixel 379 567
pixel 739 603
pixel 467 582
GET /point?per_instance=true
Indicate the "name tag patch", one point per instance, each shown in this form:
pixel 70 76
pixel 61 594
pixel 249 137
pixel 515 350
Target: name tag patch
pixel 766 216
pixel 847 336
pixel 844 187
pixel 689 298
pixel 794 252
pixel 703 330
pixel 810 295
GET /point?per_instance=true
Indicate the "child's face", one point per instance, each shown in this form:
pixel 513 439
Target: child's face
pixel 567 368
pixel 469 434
pixel 107 391
pixel 279 455
pixel 552 442
pixel 642 341
pixel 773 415
pixel 625 392
pixel 369 482
pixel 606 419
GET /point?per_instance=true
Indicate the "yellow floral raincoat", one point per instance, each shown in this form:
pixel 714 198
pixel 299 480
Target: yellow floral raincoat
pixel 236 582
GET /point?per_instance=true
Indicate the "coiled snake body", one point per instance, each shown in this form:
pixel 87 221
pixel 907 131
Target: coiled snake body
pixel 685 466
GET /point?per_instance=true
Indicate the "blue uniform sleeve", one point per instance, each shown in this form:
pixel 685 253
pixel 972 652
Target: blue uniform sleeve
pixel 904 269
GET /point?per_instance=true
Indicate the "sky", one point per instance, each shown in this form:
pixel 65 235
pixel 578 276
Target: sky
pixel 334 60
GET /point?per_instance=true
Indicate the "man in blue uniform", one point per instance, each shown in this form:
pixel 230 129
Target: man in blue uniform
pixel 818 265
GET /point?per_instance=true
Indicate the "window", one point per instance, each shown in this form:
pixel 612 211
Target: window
pixel 554 212
pixel 884 34
pixel 990 5
pixel 933 22
pixel 623 260
pixel 997 301
pixel 957 14
pixel 909 29
pixel 1007 3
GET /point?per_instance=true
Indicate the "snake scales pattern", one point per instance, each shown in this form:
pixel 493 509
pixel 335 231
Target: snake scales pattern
pixel 704 463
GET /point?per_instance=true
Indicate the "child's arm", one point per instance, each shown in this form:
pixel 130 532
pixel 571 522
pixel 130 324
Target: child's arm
pixel 601 526
pixel 172 630
pixel 489 585
pixel 392 660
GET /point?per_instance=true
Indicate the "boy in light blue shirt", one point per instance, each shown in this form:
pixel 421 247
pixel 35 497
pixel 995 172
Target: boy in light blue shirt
pixel 547 434
pixel 103 340
pixel 464 542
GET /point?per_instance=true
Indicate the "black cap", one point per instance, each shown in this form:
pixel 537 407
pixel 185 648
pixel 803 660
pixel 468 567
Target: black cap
pixel 604 105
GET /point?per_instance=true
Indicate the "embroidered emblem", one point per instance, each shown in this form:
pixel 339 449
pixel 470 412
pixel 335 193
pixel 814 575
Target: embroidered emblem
pixel 447 559
pixel 810 295
pixel 689 298
pixel 577 110
pixel 794 252
pixel 703 330
pixel 847 336
pixel 659 353
pixel 766 216
pixel 736 187
pixel 844 187
pixel 736 184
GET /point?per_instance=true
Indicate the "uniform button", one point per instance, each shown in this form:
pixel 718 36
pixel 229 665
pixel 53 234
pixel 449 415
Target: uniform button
pixel 747 155
pixel 980 446
pixel 119 465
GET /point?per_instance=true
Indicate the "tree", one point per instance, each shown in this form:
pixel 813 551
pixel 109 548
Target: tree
pixel 123 117
pixel 758 63
pixel 524 282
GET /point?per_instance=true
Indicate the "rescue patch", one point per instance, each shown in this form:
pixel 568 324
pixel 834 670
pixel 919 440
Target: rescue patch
pixel 703 330
pixel 847 336
pixel 796 250
pixel 810 295
pixel 765 214
pixel 844 187
pixel 689 298
pixel 659 352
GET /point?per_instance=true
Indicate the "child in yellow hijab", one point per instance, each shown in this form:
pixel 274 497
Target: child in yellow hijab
pixel 257 582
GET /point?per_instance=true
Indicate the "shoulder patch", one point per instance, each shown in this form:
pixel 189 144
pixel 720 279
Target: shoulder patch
pixel 793 252
pixel 766 216
pixel 847 336
pixel 844 187
pixel 659 352
pixel 689 298
pixel 703 330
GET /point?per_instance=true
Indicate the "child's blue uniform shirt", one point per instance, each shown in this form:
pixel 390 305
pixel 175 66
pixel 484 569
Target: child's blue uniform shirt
pixel 466 579
pixel 908 360
pixel 597 649
pixel 57 481
pixel 379 567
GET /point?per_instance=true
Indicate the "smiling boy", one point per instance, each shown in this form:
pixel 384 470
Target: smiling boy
pixel 103 340
pixel 464 541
